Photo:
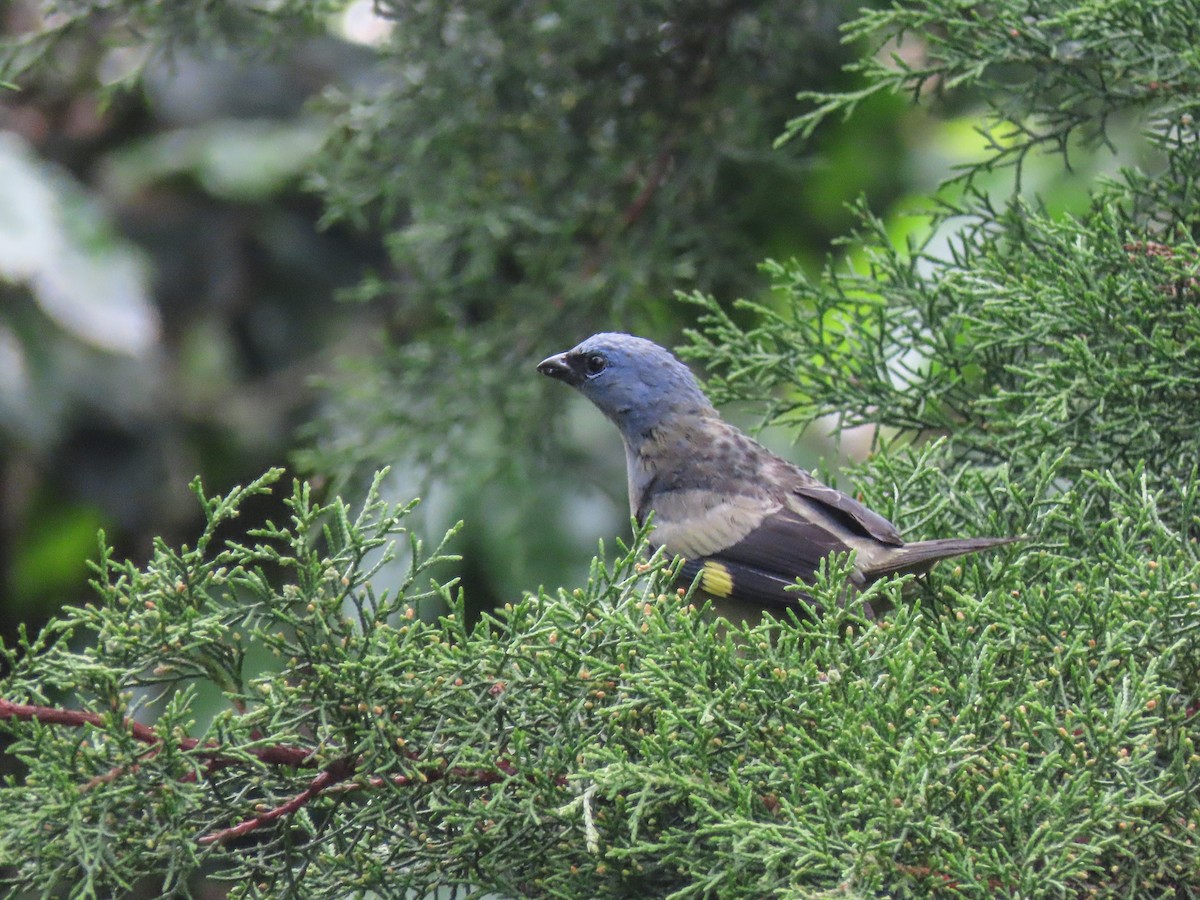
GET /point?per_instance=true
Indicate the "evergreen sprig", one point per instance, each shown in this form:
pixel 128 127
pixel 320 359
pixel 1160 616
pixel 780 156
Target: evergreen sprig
pixel 1018 332
pixel 1038 333
pixel 1052 75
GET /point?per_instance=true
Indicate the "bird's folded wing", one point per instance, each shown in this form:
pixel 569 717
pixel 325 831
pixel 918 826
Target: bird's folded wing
pixel 762 567
pixel 754 548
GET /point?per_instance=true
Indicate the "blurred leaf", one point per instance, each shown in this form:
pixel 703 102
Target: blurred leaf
pixel 230 159
pixel 58 242
pixel 52 556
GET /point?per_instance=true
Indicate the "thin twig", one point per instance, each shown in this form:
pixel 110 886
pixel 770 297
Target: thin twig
pixel 336 773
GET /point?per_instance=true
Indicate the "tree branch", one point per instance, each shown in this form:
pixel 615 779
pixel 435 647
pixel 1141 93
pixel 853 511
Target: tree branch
pixel 330 780
pixel 336 773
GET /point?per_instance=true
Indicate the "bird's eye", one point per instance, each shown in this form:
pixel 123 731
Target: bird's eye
pixel 595 364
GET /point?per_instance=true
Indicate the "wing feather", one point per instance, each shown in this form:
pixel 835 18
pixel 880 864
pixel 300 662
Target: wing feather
pixel 725 579
pixel 850 513
pixel 785 545
pixel 762 567
pixel 697 523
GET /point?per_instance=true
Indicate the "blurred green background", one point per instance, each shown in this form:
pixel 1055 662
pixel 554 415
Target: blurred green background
pixel 340 236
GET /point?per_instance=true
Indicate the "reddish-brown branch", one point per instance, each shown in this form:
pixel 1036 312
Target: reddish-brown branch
pixel 329 780
pixel 117 771
pixel 333 780
pixel 276 754
pixel 75 718
pixel 336 773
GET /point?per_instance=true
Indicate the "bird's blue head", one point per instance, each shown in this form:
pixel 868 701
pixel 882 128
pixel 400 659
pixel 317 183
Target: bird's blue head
pixel 633 381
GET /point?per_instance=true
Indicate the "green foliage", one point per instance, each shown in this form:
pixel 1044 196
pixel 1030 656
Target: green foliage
pixel 542 170
pixel 515 175
pixel 1049 73
pixel 189 622
pixel 152 30
pixel 1036 334
pixel 1024 724
pixel 163 291
pixel 1058 354
pixel 1015 331
pixel 537 171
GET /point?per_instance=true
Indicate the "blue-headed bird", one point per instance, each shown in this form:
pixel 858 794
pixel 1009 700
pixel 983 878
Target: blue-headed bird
pixel 747 523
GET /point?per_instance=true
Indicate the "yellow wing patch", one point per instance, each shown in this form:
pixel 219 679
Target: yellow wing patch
pixel 716 579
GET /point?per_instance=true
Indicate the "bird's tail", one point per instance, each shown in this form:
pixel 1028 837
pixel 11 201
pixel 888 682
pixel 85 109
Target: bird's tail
pixel 918 558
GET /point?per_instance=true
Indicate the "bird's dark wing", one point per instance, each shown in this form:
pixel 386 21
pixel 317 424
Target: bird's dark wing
pixel 762 567
pixel 747 521
pixel 786 545
pixel 746 585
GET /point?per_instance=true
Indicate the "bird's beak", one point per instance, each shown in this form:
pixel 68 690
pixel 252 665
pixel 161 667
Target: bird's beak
pixel 559 368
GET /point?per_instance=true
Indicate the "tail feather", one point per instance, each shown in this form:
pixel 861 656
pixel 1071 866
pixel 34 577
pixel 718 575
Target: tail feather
pixel 919 557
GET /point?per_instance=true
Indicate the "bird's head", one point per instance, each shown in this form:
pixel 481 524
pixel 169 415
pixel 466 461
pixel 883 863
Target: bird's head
pixel 633 381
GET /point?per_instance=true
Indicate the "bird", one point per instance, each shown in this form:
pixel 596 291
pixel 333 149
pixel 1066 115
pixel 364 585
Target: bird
pixel 749 525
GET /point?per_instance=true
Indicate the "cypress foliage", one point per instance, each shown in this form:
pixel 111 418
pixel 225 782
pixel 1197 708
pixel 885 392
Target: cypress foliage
pixel 1024 724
